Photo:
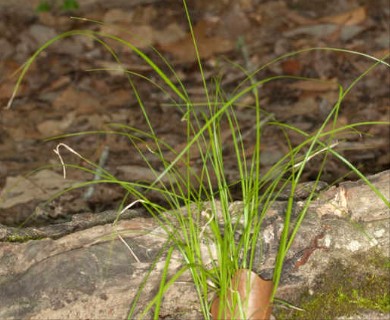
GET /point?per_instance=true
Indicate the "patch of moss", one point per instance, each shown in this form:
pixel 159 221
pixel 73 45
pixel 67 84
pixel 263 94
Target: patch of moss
pixel 346 290
pixel 22 238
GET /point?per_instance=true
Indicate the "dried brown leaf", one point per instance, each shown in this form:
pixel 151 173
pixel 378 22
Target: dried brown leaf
pixel 291 66
pixel 208 46
pixel 56 127
pixel 254 293
pixel 353 17
pixel 38 186
pixel 325 85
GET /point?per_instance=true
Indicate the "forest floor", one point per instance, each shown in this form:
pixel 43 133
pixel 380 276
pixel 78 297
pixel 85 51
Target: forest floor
pixel 60 94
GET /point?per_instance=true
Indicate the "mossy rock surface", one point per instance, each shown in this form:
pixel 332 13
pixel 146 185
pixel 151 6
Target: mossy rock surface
pixel 357 291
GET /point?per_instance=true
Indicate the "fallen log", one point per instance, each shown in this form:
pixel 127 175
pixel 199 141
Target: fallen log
pixel 90 273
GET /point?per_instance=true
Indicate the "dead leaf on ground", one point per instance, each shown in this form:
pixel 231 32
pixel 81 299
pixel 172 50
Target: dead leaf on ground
pixel 56 84
pixel 350 18
pixel 306 106
pixel 318 85
pixel 171 34
pixel 208 46
pixel 56 127
pixel 140 36
pixel 80 101
pixel 117 15
pixel 318 31
pixel 295 17
pixel 349 32
pixel 233 24
pixel 39 186
pixel 292 66
pixel 138 173
pixel 120 97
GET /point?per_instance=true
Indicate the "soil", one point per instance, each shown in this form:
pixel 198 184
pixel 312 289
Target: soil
pixel 66 91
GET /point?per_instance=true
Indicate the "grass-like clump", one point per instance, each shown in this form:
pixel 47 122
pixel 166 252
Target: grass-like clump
pixel 206 236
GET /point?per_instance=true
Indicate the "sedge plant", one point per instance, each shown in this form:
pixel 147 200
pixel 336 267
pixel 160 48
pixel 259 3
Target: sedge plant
pixel 196 216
